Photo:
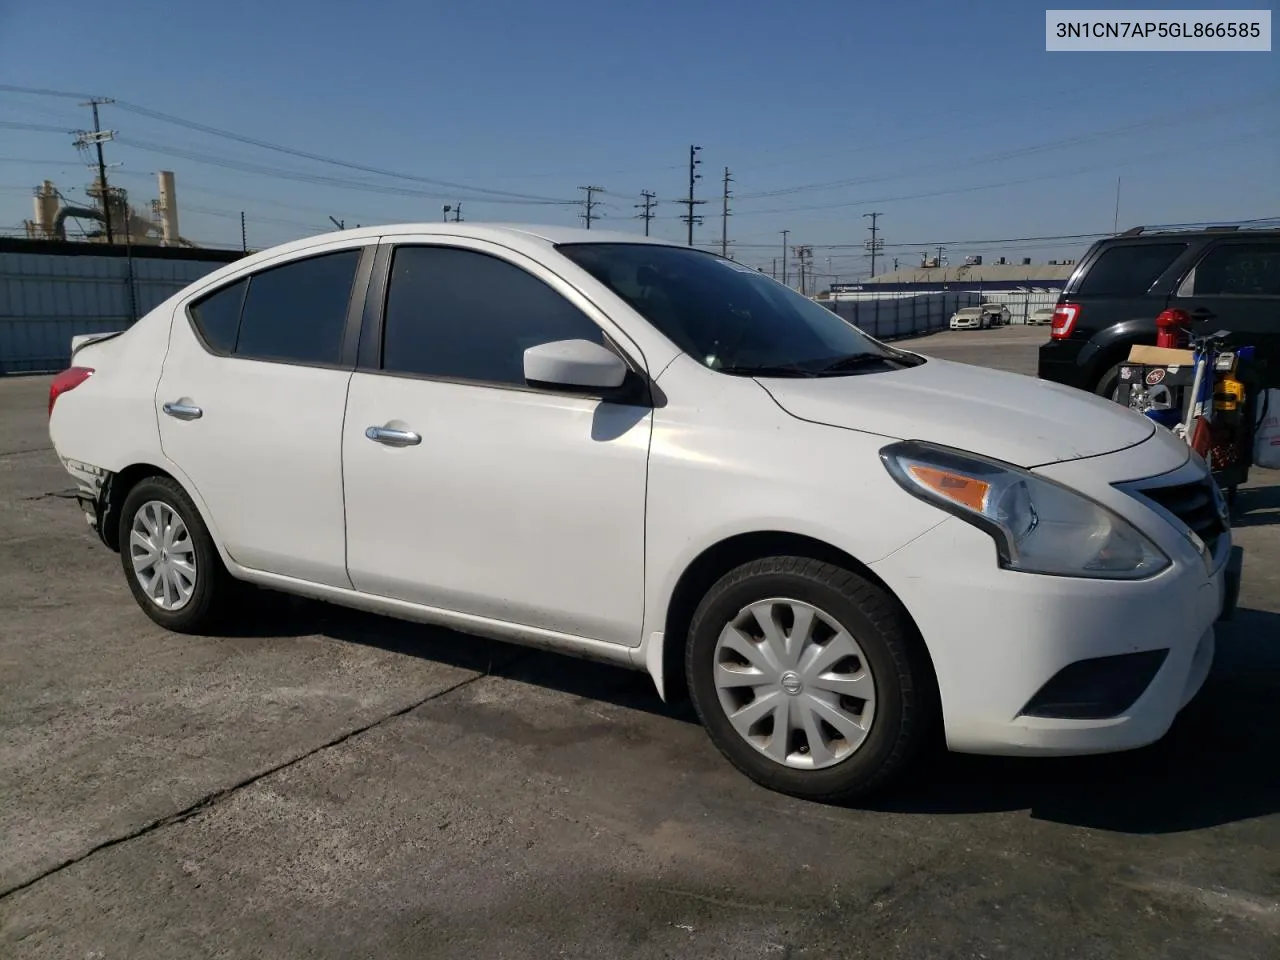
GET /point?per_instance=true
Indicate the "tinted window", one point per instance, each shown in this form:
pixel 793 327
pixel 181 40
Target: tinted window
pixel 297 312
pixel 1129 271
pixel 217 316
pixel 724 315
pixel 469 316
pixel 1236 269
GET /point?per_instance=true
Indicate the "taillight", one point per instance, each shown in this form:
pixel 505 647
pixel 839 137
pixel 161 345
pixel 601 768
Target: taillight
pixel 67 380
pixel 1065 316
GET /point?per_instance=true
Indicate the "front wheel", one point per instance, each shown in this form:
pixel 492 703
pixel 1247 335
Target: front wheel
pixel 169 558
pixel 808 678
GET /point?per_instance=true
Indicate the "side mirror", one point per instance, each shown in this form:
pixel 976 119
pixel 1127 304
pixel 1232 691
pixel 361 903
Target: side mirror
pixel 574 363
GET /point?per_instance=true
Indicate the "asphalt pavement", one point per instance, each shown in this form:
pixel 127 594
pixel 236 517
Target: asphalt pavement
pixel 331 784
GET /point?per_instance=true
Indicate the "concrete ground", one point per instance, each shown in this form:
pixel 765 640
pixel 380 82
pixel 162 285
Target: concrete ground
pixel 329 784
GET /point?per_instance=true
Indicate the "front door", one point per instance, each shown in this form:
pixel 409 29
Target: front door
pixel 467 489
pixel 250 407
pixel 1235 286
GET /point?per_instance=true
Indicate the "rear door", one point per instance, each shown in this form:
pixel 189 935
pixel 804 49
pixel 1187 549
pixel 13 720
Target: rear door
pixel 250 406
pixel 1235 286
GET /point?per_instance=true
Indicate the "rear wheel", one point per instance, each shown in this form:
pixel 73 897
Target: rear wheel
pixel 808 678
pixel 1108 384
pixel 169 559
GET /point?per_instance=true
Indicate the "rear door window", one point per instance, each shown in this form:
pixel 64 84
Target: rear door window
pixel 1128 271
pixel 297 313
pixel 1236 270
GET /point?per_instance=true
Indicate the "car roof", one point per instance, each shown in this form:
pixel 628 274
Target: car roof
pixel 547 233
pixel 1157 235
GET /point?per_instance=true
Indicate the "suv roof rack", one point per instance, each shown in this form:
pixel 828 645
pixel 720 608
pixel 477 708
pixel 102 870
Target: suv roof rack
pixel 1133 231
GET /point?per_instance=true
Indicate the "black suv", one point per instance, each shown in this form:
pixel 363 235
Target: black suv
pixel 1226 278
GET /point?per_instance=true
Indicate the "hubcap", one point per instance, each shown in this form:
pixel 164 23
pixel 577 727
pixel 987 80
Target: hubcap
pixel 794 683
pixel 163 556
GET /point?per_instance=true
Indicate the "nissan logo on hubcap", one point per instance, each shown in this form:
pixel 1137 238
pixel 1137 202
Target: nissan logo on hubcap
pixel 792 683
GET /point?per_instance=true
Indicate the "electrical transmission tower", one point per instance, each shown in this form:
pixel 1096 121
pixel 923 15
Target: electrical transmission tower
pixel 590 204
pixel 875 245
pixel 646 208
pixel 96 139
pixel 724 215
pixel 689 201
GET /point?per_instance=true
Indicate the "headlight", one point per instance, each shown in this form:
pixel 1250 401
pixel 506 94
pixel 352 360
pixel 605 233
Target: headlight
pixel 1038 526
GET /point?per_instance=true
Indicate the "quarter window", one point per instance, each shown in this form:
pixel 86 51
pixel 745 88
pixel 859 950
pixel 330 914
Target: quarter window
pixel 298 312
pixel 464 315
pixel 1236 270
pixel 1129 271
pixel 217 316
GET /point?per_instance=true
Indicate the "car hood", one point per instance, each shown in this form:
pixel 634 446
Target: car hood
pixel 1018 419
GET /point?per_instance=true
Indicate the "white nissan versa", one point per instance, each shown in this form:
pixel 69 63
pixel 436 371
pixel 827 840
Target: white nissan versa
pixel 629 450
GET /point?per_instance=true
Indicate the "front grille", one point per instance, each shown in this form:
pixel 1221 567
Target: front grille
pixel 1195 505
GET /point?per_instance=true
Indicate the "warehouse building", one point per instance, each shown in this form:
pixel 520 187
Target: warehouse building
pixel 1023 287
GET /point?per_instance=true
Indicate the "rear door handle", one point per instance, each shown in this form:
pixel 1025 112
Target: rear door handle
pixel 183 411
pixel 392 437
pixel 1203 313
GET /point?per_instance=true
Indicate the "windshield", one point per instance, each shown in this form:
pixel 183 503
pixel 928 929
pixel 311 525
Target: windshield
pixel 730 317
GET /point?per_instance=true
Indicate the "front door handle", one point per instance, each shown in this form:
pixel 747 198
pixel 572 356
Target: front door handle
pixel 183 411
pixel 1203 313
pixel 392 437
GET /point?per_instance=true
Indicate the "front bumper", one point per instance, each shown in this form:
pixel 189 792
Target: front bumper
pixel 998 638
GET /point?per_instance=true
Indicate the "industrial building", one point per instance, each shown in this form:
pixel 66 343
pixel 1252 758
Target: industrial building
pixel 104 277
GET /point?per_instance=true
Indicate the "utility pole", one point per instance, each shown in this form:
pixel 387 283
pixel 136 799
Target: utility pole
pixel 724 216
pixel 775 268
pixel 688 201
pixel 98 138
pixel 646 208
pixel 874 246
pixel 445 214
pixel 784 255
pixel 244 241
pixel 940 249
pixel 457 213
pixel 590 204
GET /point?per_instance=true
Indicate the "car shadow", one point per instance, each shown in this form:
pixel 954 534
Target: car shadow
pixel 1257 506
pixel 1217 765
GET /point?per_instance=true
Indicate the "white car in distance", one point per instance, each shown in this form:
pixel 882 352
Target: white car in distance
pixel 634 451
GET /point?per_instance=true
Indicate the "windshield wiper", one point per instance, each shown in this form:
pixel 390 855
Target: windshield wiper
pixel 855 360
pixel 767 371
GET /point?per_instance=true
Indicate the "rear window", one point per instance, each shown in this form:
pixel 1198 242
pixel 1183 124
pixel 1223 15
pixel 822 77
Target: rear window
pixel 1129 271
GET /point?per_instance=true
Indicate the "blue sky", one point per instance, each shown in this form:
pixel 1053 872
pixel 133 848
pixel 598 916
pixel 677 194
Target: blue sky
pixel 949 119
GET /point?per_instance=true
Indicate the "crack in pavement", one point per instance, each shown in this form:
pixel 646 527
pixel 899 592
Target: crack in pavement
pixel 217 796
pixel 18 453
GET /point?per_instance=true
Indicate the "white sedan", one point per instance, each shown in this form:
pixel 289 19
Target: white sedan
pixel 639 452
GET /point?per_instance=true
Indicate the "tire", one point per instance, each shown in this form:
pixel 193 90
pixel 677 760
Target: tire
pixel 211 587
pixel 902 701
pixel 1108 383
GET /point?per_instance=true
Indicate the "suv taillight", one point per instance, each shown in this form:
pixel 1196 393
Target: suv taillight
pixel 1065 316
pixel 66 381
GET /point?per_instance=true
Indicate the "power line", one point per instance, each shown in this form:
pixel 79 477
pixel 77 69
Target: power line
pixel 589 204
pixel 724 215
pixel 689 201
pixel 1216 109
pixel 646 208
pixel 290 151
